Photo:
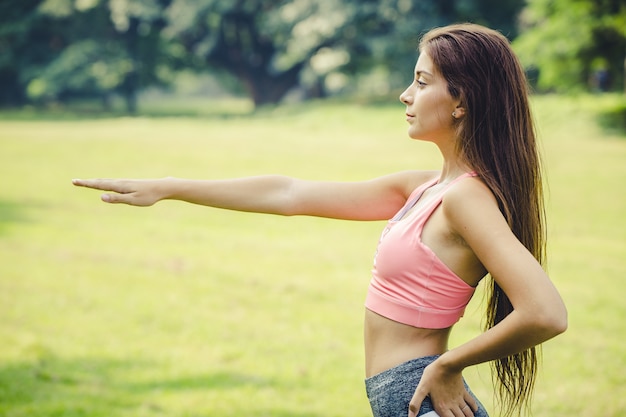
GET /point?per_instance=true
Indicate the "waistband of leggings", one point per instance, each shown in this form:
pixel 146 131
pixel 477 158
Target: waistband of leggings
pixel 410 366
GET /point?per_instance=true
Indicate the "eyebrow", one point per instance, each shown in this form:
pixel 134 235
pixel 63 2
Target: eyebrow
pixel 422 72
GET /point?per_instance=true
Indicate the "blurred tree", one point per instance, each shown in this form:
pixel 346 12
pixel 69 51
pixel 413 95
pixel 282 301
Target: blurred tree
pixel 266 44
pixel 28 41
pixel 393 48
pixel 61 49
pixel 99 48
pixel 574 43
pixel 273 46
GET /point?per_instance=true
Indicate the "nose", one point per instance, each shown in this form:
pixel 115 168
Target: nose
pixel 406 97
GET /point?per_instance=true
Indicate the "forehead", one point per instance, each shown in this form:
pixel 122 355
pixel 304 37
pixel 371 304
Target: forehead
pixel 425 64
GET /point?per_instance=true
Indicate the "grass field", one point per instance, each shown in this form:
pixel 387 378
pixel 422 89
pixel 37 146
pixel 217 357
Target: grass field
pixel 180 310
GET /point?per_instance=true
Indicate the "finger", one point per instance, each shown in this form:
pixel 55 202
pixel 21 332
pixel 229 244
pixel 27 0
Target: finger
pixel 117 198
pixel 467 411
pixel 416 403
pixel 471 402
pixel 101 184
pixel 459 412
pixel 93 183
pixel 108 198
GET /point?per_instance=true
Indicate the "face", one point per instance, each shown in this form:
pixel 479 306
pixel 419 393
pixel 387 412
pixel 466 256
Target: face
pixel 429 105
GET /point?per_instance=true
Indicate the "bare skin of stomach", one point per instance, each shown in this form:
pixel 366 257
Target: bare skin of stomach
pixel 389 343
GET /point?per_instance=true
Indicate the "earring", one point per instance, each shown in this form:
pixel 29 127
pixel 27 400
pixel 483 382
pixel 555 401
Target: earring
pixel 454 114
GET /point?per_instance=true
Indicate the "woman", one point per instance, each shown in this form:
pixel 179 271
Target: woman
pixel 481 215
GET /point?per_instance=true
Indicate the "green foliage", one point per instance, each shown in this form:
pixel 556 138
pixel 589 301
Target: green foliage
pixel 553 44
pixel 270 47
pixel 61 48
pixel 252 39
pixel 275 46
pixel 569 41
pixel 85 66
pixel 28 41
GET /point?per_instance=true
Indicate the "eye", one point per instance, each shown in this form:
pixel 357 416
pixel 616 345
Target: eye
pixel 421 83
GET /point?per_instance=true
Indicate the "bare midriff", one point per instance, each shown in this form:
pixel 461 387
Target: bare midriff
pixel 389 343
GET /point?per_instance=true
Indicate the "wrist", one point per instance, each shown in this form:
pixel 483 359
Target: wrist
pixel 166 188
pixel 449 364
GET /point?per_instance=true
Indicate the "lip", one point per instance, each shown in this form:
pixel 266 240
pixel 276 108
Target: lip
pixel 409 116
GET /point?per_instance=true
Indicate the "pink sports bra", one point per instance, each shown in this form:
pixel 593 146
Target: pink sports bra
pixel 410 284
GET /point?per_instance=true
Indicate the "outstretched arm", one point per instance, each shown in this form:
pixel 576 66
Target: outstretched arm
pixel 375 199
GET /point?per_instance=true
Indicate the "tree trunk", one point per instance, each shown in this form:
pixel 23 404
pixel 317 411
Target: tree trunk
pixel 130 86
pixel 266 88
pixel 130 97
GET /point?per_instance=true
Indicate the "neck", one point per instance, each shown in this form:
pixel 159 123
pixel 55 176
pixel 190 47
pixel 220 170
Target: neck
pixel 452 168
pixel 453 164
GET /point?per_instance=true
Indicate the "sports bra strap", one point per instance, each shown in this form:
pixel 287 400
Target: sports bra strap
pixel 419 191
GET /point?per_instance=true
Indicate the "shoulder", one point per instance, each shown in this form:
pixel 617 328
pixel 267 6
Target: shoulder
pixel 472 214
pixel 470 190
pixel 471 209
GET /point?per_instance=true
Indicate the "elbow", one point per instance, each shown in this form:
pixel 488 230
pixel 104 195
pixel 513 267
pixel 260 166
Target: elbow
pixel 552 322
pixel 558 325
pixel 559 321
pixel 564 321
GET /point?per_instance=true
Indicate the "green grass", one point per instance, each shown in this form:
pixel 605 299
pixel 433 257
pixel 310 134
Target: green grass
pixel 180 310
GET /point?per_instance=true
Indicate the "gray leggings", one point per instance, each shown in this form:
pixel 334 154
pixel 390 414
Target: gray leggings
pixel 391 391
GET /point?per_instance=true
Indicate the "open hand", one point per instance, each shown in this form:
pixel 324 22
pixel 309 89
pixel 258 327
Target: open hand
pixel 447 393
pixel 133 192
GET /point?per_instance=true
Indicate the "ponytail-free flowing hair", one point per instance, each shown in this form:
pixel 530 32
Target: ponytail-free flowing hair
pixel 496 138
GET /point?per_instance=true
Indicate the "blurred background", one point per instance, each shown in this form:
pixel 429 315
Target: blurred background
pixel 116 54
pixel 182 311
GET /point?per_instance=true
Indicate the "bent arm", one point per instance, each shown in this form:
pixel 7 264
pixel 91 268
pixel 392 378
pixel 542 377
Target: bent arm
pixel 538 313
pixel 375 199
pixel 538 310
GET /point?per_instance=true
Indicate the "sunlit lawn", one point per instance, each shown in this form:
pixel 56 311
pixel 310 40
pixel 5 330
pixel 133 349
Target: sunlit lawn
pixel 180 310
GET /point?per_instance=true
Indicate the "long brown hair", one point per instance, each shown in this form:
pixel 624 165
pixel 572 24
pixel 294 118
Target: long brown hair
pixel 496 137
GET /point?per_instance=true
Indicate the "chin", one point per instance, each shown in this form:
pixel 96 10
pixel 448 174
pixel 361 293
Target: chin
pixel 417 136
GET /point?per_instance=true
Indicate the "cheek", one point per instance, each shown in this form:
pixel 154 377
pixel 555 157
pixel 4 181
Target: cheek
pixel 434 111
pixel 440 108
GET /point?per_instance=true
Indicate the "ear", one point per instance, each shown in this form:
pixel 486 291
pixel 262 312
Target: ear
pixel 459 112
